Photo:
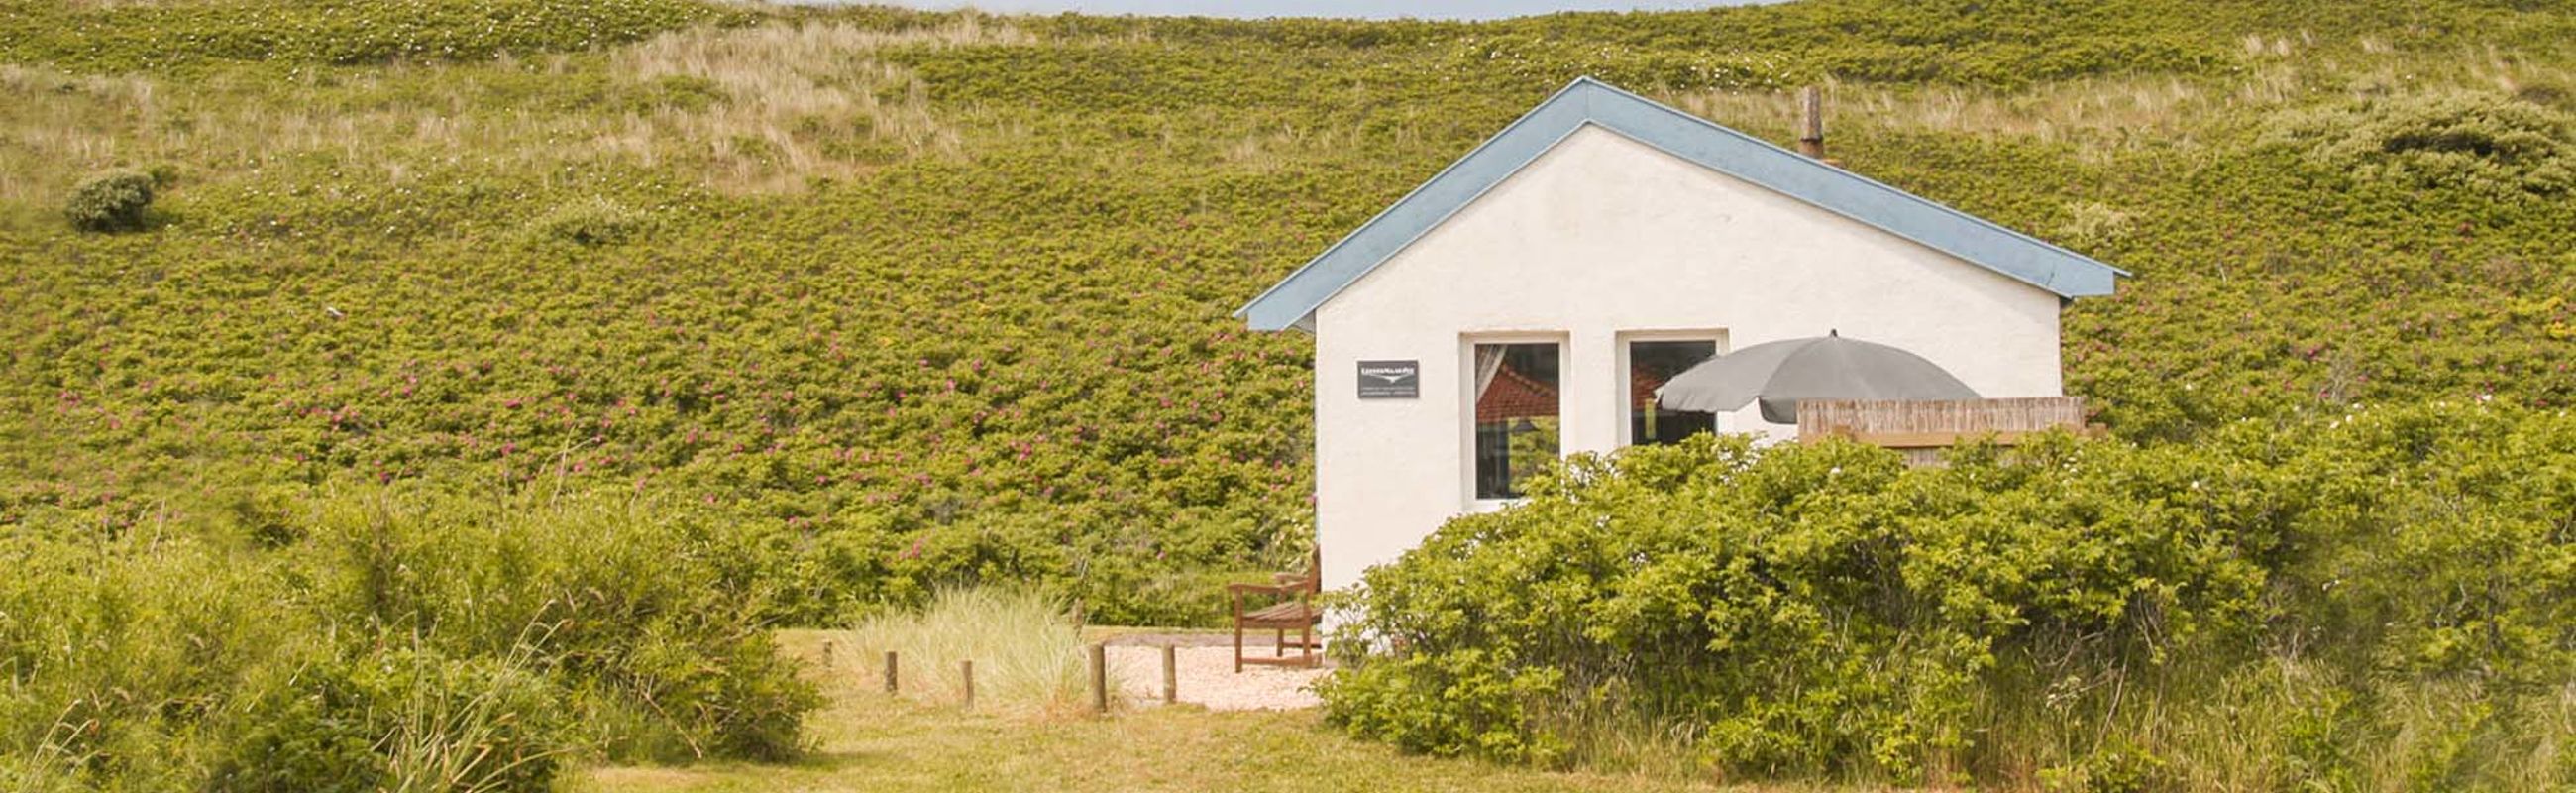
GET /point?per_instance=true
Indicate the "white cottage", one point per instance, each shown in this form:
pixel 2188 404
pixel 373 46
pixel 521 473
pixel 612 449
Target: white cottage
pixel 1525 302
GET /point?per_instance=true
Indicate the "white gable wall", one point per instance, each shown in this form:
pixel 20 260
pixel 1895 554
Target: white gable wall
pixel 1601 236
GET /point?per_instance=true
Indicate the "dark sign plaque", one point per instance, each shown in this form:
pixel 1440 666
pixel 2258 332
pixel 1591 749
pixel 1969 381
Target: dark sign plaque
pixel 1390 379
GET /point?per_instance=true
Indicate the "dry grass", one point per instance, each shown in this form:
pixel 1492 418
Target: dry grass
pixel 1028 652
pixel 2099 117
pixel 752 110
pixel 790 93
pixel 1269 148
pixel 771 108
pixel 2429 736
pixel 48 118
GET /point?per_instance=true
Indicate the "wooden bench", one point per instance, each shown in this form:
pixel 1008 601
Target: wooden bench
pixel 1922 430
pixel 1294 609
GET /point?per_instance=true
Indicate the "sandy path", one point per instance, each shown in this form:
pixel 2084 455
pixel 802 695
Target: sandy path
pixel 1207 677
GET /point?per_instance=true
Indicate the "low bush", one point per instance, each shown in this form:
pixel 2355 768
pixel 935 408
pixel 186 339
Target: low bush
pixel 393 640
pixel 405 720
pixel 2472 141
pixel 2065 614
pixel 110 201
pixel 627 605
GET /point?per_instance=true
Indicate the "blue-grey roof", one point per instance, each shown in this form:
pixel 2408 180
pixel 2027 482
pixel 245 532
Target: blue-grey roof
pixel 1588 101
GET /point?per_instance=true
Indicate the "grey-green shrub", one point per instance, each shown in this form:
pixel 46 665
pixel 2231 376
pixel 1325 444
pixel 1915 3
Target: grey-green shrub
pixel 2466 140
pixel 113 200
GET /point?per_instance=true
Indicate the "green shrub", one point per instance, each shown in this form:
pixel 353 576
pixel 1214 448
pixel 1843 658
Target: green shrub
pixel 2116 768
pixel 117 650
pixel 403 640
pixel 316 730
pixel 404 721
pixel 110 201
pixel 625 604
pixel 1819 610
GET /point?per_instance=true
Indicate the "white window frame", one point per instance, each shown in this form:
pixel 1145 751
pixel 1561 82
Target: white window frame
pixel 1619 346
pixel 1467 342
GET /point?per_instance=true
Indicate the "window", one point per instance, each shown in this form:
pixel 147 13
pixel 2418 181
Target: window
pixel 1650 363
pixel 1517 410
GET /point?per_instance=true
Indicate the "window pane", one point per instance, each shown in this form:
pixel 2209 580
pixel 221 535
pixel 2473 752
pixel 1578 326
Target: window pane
pixel 1650 363
pixel 1516 414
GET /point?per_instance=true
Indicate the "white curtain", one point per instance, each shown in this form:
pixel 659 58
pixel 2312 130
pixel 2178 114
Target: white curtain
pixel 1489 360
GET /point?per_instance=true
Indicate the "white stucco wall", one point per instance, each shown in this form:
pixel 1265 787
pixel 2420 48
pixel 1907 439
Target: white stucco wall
pixel 1600 237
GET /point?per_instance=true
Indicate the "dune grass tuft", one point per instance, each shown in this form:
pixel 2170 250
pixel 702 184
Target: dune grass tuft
pixel 1026 647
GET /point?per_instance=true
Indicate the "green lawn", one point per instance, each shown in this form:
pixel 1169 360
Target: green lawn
pixel 865 740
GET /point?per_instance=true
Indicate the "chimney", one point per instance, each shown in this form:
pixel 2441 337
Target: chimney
pixel 1811 122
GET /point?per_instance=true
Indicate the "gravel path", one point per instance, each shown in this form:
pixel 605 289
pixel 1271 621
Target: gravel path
pixel 1207 676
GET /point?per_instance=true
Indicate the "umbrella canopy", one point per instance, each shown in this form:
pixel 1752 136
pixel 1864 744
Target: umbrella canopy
pixel 1780 373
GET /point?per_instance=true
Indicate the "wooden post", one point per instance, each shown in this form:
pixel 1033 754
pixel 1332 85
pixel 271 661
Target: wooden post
pixel 1100 678
pixel 1171 675
pixel 966 671
pixel 889 670
pixel 1811 122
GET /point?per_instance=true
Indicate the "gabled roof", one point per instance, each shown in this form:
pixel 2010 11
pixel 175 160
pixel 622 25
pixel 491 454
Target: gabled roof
pixel 1587 101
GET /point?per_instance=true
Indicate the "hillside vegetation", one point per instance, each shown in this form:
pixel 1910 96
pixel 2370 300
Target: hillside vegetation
pixel 928 296
pixel 838 306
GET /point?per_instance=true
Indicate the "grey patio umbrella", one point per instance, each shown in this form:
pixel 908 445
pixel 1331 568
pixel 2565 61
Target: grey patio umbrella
pixel 1780 373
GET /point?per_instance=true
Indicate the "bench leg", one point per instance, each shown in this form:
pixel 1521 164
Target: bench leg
pixel 1238 647
pixel 1279 643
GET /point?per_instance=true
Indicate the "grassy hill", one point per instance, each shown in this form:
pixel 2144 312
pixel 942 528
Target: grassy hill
pixel 943 295
pixel 874 300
